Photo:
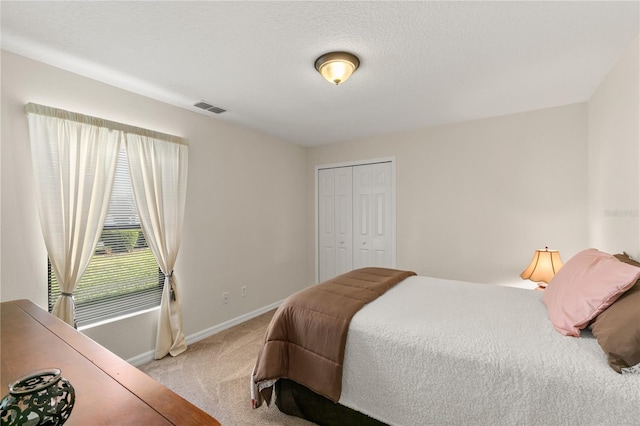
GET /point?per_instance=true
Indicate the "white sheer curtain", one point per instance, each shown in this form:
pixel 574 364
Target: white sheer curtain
pixel 74 164
pixel 159 179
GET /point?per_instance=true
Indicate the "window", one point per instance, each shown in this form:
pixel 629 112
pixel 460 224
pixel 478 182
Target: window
pixel 123 276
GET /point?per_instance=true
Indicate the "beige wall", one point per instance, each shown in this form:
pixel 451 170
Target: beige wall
pixel 614 158
pixel 245 214
pixel 475 199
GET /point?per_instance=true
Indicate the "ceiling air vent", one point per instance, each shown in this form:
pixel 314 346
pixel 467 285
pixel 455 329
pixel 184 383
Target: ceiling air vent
pixel 207 106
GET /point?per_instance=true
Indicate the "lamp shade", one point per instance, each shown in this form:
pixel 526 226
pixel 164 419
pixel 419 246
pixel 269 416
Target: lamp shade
pixel 336 67
pixel 543 266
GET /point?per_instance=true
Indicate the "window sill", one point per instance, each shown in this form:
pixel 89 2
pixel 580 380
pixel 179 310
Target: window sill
pixel 114 319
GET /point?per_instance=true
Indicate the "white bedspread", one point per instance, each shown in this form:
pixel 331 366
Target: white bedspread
pixel 441 352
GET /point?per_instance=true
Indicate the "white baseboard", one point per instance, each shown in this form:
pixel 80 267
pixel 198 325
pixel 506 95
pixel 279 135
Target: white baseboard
pixel 228 324
pixel 141 359
pixel 149 356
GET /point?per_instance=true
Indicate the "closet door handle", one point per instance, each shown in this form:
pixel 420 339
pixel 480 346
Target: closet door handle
pixel 364 243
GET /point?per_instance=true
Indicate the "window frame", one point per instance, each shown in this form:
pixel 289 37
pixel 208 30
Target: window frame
pixel 121 216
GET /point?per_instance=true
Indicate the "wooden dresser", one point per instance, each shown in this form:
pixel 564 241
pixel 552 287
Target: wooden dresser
pixel 108 390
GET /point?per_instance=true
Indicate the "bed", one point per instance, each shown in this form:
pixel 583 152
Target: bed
pixel 431 351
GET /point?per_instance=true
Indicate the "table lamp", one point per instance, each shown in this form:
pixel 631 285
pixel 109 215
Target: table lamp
pixel 543 267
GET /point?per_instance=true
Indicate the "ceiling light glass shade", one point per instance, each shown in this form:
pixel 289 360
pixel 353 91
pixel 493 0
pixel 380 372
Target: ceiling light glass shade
pixel 336 67
pixel 543 266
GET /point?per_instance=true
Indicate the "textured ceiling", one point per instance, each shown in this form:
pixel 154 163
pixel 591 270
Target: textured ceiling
pixel 422 63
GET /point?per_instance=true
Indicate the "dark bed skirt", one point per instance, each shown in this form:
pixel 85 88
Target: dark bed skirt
pixel 297 400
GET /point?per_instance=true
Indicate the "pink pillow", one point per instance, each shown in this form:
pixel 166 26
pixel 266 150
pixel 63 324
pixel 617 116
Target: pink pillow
pixel 585 286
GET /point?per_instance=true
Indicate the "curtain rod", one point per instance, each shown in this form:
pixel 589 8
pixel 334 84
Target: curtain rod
pixel 48 111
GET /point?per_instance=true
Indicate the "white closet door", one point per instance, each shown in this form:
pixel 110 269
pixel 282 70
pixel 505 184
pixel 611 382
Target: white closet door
pixel 343 220
pixel 335 232
pixel 372 219
pixel 326 235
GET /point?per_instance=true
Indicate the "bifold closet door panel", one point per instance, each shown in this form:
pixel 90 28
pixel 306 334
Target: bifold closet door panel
pixel 335 232
pixel 372 221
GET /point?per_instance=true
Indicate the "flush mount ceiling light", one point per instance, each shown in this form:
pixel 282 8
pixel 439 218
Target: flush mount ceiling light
pixel 336 67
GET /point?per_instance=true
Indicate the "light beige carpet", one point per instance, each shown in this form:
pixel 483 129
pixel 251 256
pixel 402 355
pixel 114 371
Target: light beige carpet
pixel 214 374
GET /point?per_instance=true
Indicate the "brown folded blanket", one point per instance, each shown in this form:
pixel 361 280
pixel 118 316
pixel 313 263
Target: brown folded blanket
pixel 306 339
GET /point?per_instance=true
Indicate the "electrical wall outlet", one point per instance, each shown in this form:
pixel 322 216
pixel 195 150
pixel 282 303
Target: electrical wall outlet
pixel 244 291
pixel 225 298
